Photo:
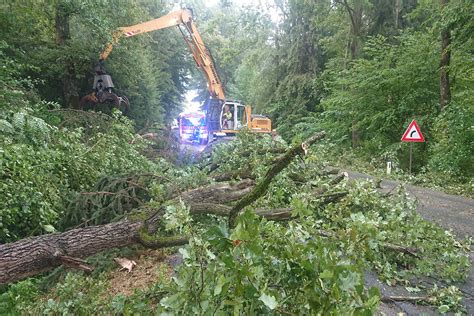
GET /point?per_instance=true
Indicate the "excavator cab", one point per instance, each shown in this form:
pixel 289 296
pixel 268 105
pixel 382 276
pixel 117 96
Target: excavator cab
pixel 233 116
pixel 212 108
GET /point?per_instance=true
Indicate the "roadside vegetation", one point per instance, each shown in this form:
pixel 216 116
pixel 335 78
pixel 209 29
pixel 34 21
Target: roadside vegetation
pixel 358 70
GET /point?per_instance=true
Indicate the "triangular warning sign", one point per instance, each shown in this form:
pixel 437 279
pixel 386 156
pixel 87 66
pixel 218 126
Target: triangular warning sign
pixel 413 133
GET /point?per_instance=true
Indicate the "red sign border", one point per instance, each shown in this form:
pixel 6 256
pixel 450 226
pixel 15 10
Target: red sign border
pixel 404 137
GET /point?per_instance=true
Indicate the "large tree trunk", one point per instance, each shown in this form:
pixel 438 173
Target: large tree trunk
pixel 444 85
pixel 34 255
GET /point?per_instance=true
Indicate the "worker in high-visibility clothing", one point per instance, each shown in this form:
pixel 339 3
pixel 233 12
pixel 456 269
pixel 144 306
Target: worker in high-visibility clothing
pixel 227 118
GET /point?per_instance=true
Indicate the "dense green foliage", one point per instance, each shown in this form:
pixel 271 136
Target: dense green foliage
pixel 368 67
pixel 360 70
pixel 43 164
pixel 62 41
pixel 314 263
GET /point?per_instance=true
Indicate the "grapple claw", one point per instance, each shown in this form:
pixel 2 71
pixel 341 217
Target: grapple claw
pixel 107 99
pixel 103 93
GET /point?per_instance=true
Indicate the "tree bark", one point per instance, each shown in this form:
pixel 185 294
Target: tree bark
pixel 396 15
pixel 70 93
pixel 218 193
pixel 355 14
pixel 444 84
pixel 34 255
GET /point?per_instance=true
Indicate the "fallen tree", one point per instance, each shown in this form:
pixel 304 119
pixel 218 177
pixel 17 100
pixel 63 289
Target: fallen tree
pixel 333 230
pixel 280 164
pixel 34 255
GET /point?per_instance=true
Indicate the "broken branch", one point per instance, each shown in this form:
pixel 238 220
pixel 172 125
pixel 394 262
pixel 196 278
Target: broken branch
pixel 261 188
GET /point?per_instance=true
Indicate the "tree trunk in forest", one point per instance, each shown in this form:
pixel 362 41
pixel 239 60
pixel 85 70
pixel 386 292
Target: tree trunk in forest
pixel 70 93
pixel 444 85
pixel 355 15
pixel 396 15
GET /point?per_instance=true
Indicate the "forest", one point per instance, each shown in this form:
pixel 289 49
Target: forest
pixel 104 212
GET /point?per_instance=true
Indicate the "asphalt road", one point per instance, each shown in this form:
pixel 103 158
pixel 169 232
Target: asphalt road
pixel 450 212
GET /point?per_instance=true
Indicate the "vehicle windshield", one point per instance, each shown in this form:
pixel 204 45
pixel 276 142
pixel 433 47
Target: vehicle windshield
pixel 191 121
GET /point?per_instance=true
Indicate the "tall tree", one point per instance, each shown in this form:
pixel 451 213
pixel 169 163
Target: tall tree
pixel 444 84
pixel 64 11
pixel 354 11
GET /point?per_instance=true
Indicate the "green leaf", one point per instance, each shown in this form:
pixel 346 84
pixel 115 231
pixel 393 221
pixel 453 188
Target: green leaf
pixel 374 291
pixel 269 301
pixel 326 274
pixel 443 309
pixel 49 228
pixel 169 301
pixel 412 289
pixel 220 283
pixel 184 253
pixel 350 281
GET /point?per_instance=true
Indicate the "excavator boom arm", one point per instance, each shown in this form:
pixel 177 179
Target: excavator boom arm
pixel 184 20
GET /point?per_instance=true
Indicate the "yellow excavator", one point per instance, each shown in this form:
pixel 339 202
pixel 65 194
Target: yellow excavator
pixel 223 117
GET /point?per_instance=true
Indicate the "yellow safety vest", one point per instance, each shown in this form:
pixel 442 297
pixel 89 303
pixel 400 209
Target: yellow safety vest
pixel 227 115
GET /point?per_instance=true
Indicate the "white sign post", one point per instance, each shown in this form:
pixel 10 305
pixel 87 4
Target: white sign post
pixel 389 167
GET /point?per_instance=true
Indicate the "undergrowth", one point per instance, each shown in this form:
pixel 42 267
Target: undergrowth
pixel 313 264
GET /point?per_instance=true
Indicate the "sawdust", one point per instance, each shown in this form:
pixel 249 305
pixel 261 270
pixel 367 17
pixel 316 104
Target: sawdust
pixel 148 271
